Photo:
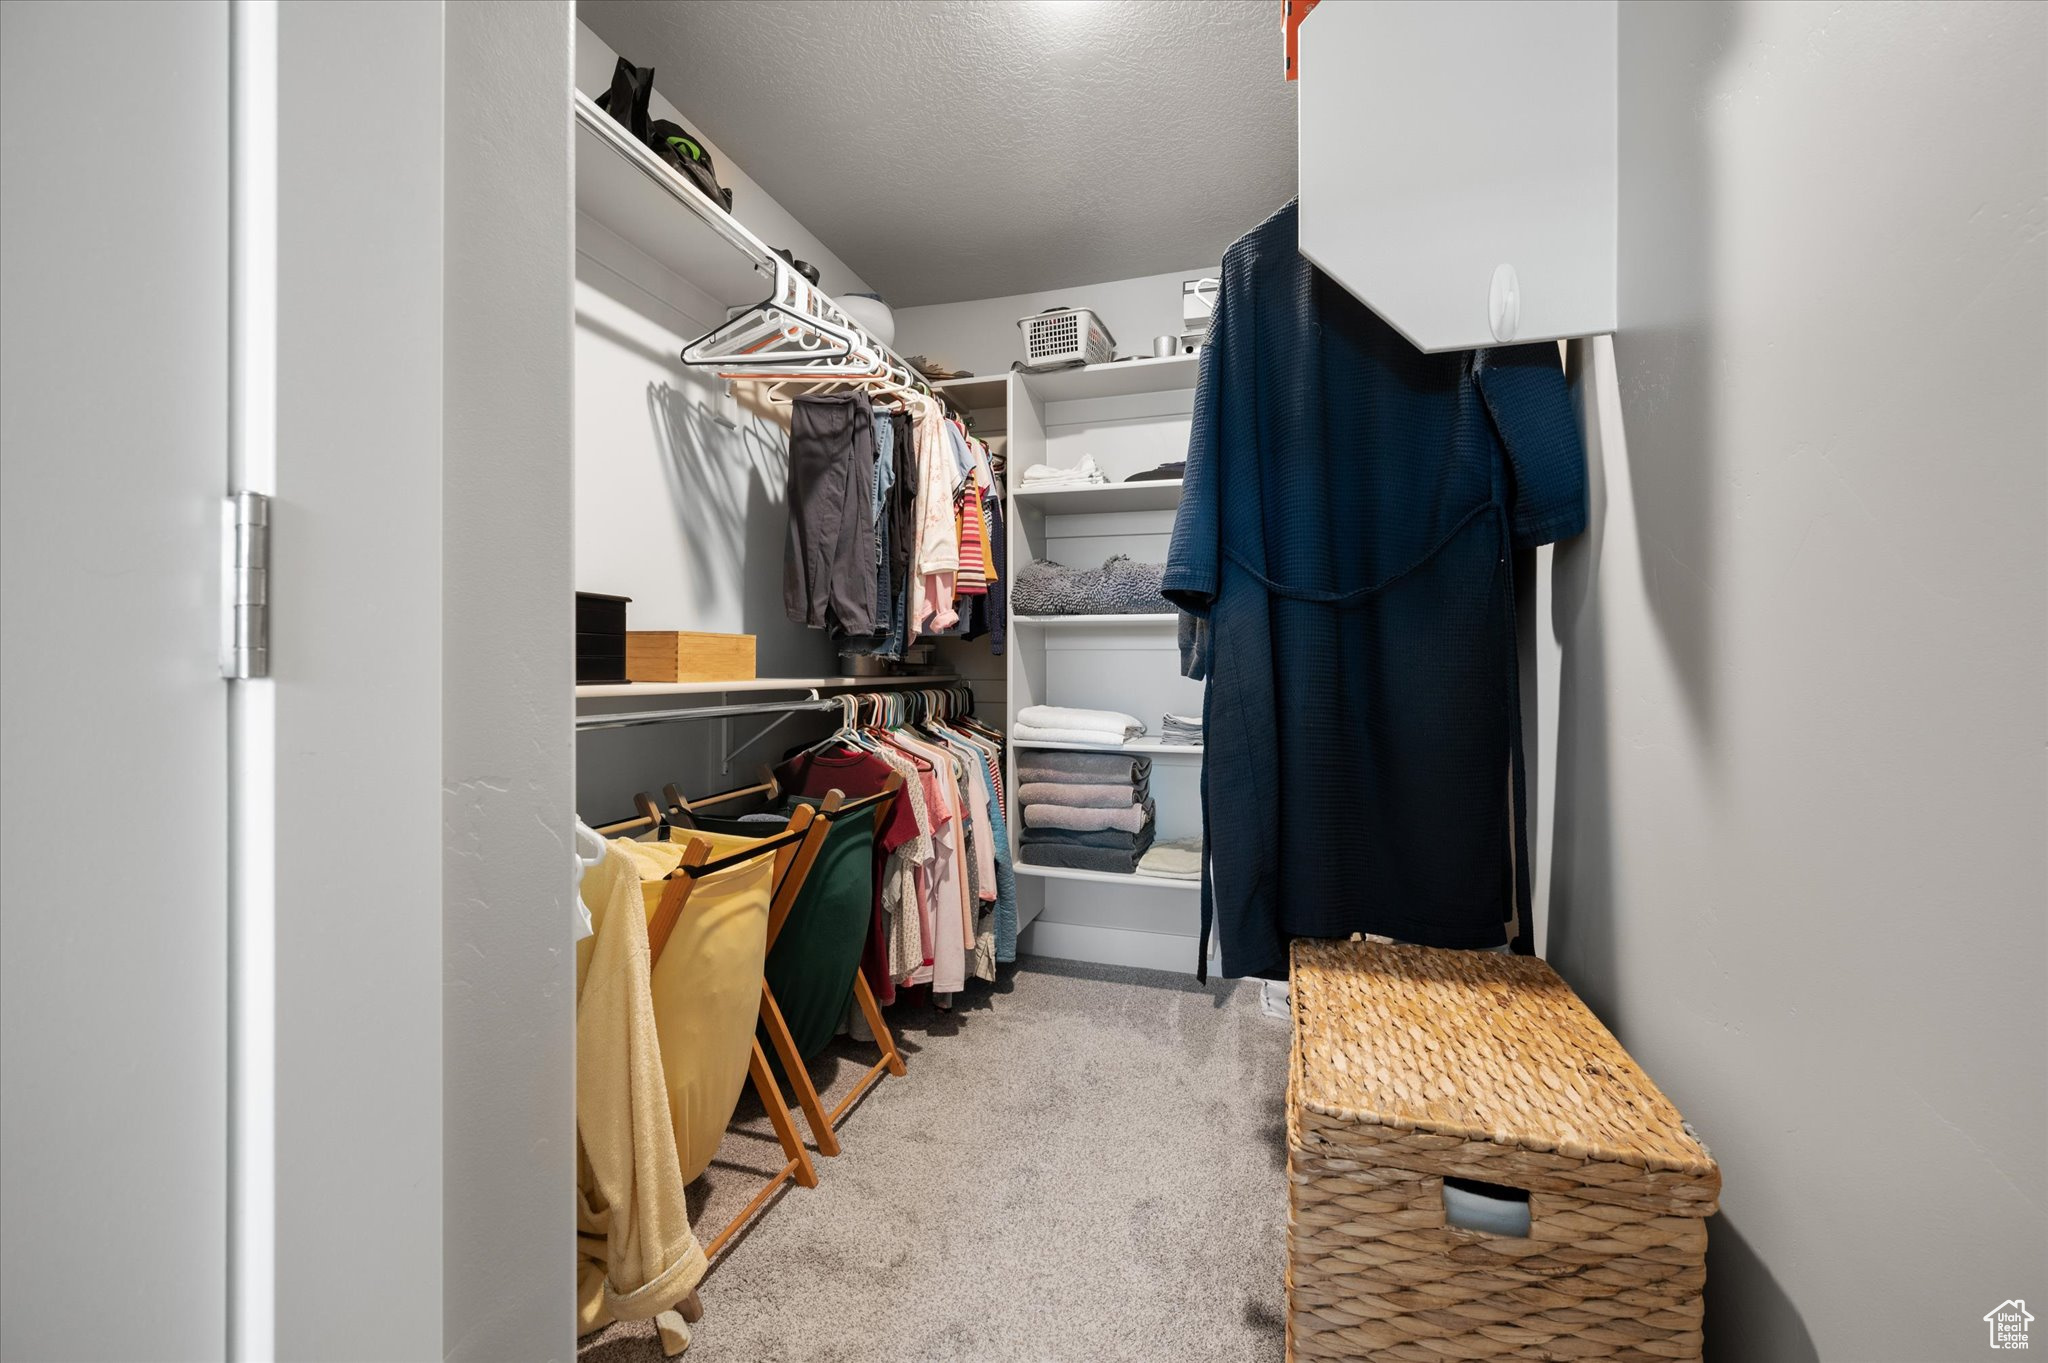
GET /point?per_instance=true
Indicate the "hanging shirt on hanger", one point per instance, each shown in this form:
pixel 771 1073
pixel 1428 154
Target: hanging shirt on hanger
pixel 938 546
pixel 1348 528
pixel 855 772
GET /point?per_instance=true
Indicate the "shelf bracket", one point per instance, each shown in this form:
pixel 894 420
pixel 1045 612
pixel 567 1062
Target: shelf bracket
pixel 727 751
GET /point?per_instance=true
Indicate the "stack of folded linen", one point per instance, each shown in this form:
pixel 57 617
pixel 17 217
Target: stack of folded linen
pixel 1087 811
pixel 1060 724
pixel 1180 859
pixel 1083 474
pixel 1181 729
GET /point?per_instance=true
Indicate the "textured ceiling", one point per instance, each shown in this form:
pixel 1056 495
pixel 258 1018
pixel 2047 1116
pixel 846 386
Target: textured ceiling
pixel 970 150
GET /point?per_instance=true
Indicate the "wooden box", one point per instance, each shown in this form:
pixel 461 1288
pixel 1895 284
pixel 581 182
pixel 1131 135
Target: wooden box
pixel 1413 1065
pixel 666 655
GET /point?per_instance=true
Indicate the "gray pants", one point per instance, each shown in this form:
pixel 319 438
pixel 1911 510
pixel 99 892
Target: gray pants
pixel 828 570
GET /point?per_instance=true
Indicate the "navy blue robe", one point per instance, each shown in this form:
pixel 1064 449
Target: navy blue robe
pixel 1347 528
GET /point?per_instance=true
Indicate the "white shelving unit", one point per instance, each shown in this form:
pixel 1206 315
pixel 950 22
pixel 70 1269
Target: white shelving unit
pixel 1108 878
pixel 1143 747
pixel 1094 621
pixel 1162 494
pixel 1132 416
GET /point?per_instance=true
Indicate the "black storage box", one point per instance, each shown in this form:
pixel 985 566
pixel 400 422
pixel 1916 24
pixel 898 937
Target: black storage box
pixel 600 637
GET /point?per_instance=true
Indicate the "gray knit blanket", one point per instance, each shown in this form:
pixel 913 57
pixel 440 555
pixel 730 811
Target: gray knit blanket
pixel 1118 587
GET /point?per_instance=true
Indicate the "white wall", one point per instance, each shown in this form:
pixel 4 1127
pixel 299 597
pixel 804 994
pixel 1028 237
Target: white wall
pixel 981 335
pixel 1799 857
pixel 508 1006
pixel 356 661
pixel 679 491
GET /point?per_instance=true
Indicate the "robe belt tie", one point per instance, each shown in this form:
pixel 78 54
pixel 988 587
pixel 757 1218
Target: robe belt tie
pixel 1330 598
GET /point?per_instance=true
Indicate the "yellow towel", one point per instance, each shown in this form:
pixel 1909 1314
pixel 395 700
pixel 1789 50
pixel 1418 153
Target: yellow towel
pixel 636 1253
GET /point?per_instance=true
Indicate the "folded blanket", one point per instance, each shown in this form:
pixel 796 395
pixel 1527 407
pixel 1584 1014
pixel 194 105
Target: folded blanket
pixel 1106 837
pixel 1180 859
pixel 1130 819
pixel 1118 587
pixel 1114 723
pixel 1078 795
pixel 1079 858
pixel 1097 768
pixel 1094 737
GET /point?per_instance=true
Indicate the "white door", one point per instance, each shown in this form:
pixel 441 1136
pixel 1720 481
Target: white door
pixel 220 961
pixel 114 250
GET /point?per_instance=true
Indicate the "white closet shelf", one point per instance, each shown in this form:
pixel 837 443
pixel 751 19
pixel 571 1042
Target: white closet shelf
pixel 1165 374
pixel 1145 747
pixel 977 393
pixel 1095 621
pixel 625 188
pixel 1160 494
pixel 632 690
pixel 1025 868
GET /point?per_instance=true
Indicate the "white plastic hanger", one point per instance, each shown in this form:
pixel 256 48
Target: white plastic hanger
pixel 590 841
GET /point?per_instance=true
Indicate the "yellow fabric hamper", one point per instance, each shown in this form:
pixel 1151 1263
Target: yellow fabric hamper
pixel 707 986
pixel 1412 1065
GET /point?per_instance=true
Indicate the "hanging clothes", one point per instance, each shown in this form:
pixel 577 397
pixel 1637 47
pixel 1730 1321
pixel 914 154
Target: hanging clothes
pixel 951 927
pixel 938 546
pixel 905 882
pixel 894 524
pixel 856 773
pixel 1347 529
pixel 828 577
pixel 883 486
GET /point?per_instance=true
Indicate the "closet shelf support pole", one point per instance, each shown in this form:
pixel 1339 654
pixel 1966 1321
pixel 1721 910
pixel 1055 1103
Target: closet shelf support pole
pixel 727 752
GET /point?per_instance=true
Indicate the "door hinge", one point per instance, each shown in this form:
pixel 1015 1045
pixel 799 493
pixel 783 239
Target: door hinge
pixel 245 586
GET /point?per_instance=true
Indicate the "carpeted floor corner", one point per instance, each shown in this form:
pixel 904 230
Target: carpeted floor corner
pixel 1084 1163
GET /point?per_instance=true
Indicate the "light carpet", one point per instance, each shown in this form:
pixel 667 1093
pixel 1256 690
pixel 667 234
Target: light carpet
pixel 1083 1163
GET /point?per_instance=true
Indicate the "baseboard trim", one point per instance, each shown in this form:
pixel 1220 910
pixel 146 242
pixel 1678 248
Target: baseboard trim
pixel 1109 946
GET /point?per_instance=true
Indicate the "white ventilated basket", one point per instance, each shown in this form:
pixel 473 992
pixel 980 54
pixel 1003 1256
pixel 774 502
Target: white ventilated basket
pixel 1065 336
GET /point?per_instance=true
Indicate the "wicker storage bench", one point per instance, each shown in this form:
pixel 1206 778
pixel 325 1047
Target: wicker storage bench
pixel 1411 1065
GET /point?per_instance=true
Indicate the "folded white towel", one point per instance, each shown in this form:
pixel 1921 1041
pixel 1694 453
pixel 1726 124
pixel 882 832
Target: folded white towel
pixel 1093 738
pixel 1180 859
pixel 1111 722
pixel 1084 472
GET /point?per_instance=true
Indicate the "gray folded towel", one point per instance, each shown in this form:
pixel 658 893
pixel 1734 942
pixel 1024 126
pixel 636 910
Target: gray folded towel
pixel 1079 858
pixel 1129 819
pixel 1081 795
pixel 1034 764
pixel 1114 838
